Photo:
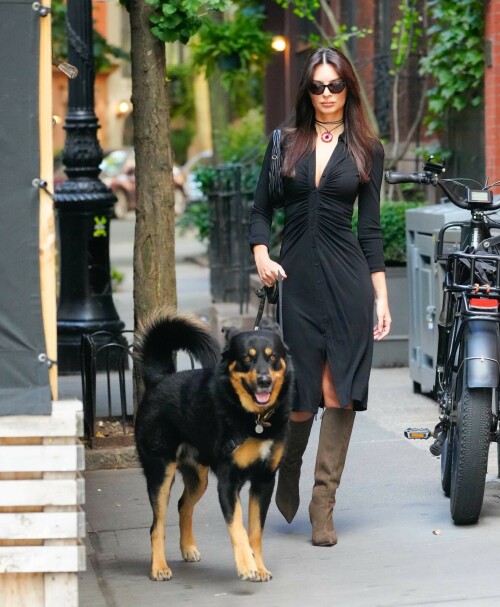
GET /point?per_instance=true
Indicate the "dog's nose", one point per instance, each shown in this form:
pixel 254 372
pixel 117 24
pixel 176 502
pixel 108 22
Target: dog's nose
pixel 264 381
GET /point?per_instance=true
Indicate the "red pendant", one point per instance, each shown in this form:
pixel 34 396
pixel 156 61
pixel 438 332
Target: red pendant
pixel 326 137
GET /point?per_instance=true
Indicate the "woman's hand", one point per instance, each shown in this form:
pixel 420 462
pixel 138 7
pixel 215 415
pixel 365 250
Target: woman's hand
pixel 267 269
pixel 383 326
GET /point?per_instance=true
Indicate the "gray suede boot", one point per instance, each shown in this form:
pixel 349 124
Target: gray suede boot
pixel 334 437
pixel 287 493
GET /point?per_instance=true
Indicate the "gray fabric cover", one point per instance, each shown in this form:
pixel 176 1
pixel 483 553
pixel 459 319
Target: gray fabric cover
pixel 24 381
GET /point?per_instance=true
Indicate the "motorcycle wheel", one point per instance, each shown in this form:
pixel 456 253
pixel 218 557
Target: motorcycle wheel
pixel 446 457
pixel 470 453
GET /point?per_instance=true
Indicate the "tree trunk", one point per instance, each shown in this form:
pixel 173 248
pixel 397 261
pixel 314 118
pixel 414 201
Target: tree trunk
pixel 220 112
pixel 154 249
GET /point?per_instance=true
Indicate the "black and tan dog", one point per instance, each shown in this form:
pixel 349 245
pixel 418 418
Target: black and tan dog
pixel 229 416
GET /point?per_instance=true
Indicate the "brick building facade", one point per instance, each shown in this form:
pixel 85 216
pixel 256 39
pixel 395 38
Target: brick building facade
pixel 492 90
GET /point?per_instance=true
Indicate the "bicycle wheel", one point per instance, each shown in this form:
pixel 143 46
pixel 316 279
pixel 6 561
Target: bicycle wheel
pixel 446 458
pixel 470 452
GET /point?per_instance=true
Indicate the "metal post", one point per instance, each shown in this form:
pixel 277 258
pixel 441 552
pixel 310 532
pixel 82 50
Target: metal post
pixel 84 207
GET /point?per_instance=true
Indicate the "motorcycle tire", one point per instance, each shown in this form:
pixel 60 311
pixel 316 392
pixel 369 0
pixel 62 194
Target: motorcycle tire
pixel 470 453
pixel 446 457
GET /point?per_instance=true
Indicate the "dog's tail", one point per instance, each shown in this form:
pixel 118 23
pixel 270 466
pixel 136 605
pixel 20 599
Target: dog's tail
pixel 158 338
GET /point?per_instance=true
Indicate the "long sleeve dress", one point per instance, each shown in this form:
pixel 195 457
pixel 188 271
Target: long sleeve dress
pixel 328 296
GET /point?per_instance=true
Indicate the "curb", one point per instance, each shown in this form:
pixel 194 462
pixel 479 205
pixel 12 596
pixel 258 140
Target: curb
pixel 112 458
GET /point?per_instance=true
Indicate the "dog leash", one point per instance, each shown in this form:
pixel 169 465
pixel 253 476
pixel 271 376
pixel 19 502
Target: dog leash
pixel 263 294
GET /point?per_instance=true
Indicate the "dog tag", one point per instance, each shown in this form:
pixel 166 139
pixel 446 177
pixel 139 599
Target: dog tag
pixel 258 428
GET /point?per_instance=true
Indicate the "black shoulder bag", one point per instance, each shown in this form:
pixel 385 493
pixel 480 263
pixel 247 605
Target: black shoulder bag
pixel 275 177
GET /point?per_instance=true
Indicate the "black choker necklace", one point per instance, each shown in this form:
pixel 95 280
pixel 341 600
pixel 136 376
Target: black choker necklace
pixel 327 135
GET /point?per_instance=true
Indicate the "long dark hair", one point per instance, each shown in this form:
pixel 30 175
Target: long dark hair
pixel 359 134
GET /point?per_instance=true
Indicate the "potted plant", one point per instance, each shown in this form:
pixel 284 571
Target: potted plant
pixel 238 48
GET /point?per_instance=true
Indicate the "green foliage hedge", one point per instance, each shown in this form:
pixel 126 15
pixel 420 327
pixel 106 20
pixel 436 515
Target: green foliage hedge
pixel 393 222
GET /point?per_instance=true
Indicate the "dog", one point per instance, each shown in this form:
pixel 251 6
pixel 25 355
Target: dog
pixel 230 417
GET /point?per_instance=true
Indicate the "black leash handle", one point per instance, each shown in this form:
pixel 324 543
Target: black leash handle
pixel 280 301
pixel 262 295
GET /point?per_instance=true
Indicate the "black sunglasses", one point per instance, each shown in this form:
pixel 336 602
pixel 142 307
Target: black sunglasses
pixel 318 88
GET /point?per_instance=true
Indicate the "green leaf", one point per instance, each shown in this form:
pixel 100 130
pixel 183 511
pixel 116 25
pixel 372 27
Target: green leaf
pixel 168 9
pixel 178 20
pixel 455 57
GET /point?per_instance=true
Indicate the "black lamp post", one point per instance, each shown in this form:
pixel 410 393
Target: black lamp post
pixel 84 207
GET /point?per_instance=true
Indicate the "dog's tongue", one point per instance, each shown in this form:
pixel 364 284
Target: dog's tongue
pixel 262 397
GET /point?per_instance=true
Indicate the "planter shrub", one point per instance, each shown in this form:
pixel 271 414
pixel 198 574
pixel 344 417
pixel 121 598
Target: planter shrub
pixel 393 222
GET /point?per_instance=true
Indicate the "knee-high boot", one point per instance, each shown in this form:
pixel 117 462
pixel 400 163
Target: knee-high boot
pixel 287 492
pixel 334 437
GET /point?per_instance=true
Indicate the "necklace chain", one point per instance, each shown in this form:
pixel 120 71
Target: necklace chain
pixel 333 122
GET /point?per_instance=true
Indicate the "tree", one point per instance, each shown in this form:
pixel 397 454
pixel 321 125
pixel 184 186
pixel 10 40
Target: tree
pixel 407 33
pixel 154 247
pixel 152 23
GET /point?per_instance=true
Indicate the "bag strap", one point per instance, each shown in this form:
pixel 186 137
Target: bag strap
pixel 261 294
pixel 275 177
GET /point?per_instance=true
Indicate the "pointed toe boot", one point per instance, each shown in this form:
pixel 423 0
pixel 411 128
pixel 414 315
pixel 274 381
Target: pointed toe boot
pixel 287 492
pixel 334 437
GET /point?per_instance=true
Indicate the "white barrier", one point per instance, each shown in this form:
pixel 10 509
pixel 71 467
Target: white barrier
pixel 41 519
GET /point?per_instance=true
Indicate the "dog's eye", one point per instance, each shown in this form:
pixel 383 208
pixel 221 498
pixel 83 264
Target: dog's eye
pixel 272 358
pixel 247 359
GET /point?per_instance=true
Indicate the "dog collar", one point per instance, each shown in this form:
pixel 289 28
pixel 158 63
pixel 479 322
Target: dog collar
pixel 261 421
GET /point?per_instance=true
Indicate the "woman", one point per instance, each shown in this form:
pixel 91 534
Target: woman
pixel 332 279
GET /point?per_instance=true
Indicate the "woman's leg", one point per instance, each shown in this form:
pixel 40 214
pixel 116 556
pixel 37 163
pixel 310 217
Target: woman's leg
pixel 334 437
pixel 329 393
pixel 287 492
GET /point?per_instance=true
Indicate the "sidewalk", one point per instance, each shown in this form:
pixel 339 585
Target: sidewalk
pixel 396 536
pixel 388 509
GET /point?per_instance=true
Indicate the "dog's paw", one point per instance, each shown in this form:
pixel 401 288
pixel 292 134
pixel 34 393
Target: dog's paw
pixel 263 575
pixel 161 574
pixel 246 567
pixel 248 575
pixel 190 554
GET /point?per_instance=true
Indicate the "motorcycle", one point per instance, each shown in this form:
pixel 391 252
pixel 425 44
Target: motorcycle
pixel 467 373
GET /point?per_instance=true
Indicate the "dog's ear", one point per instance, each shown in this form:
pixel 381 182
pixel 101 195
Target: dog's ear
pixel 229 333
pixel 268 324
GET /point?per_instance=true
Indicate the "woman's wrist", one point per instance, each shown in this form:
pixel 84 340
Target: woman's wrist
pixel 260 251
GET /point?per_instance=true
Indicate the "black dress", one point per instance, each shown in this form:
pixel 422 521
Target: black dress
pixel 328 296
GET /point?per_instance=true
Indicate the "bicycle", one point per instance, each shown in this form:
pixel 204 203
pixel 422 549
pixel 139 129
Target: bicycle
pixel 467 374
